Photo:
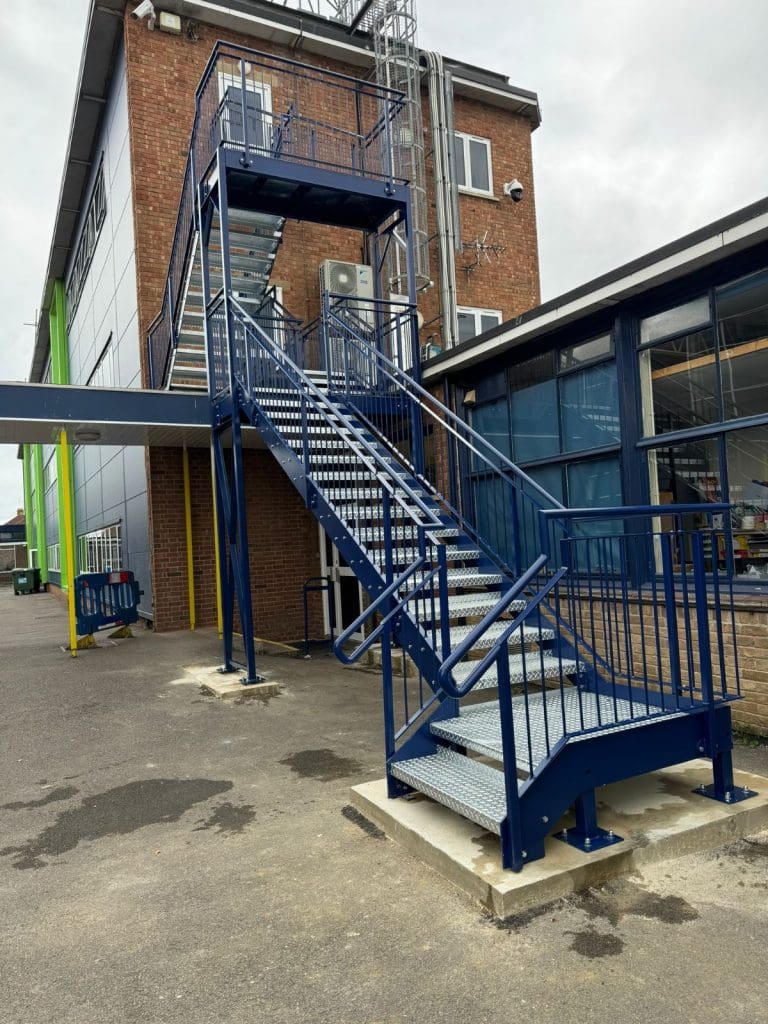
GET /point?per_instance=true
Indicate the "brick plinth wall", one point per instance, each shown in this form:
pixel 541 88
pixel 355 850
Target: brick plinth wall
pixel 282 538
pixel 606 636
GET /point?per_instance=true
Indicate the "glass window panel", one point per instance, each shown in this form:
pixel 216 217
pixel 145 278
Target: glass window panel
pixel 550 478
pixel 679 381
pixel 479 159
pixel 589 408
pixel 535 430
pixel 673 321
pixel 687 474
pixel 534 414
pixel 466 326
pixel 488 321
pixel 491 421
pixel 742 314
pixel 594 483
pixel 747 459
pixel 491 499
pixel 461 173
pixel 586 351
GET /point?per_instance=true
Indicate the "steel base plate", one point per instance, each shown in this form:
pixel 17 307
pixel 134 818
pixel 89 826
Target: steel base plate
pixel 732 796
pixel 588 844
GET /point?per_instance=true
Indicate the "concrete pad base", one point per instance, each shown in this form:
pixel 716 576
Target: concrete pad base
pixel 658 816
pixel 229 687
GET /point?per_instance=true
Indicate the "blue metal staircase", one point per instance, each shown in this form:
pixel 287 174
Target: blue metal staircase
pixel 545 651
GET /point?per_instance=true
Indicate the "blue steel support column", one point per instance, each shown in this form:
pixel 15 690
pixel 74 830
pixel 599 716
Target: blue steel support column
pixel 205 213
pixel 238 529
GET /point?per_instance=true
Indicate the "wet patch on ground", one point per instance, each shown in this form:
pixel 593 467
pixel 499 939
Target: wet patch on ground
pixel 515 922
pixel 117 811
pixel 620 899
pixel 323 765
pixel 352 814
pixel 228 819
pixel 61 793
pixel 593 944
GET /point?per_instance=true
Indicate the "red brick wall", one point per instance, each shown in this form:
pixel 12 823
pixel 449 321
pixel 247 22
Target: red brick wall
pixel 282 539
pixel 163 72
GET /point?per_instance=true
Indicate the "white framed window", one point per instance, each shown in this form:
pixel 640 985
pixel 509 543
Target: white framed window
pixel 258 109
pixel 474 171
pixel 54 558
pixel 33 562
pixel 101 550
pixel 474 321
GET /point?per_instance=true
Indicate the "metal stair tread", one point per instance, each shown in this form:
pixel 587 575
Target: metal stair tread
pixel 522 635
pixel 541 723
pixel 410 554
pixel 467 606
pixel 469 787
pixel 524 666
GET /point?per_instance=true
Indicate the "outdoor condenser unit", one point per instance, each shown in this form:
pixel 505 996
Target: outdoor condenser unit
pixel 353 279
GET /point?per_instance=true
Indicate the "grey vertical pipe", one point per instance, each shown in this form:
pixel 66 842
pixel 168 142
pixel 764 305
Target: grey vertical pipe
pixel 441 126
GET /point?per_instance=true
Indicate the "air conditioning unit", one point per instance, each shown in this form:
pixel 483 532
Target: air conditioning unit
pixel 349 279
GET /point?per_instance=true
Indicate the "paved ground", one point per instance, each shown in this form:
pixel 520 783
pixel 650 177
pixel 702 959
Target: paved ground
pixel 166 857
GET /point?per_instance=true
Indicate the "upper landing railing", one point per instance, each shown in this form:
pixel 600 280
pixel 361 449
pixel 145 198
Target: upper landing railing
pixel 258 105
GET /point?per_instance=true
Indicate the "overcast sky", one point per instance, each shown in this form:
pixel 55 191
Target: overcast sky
pixel 653 124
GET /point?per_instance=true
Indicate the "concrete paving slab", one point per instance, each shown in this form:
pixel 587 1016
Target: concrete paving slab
pixel 658 816
pixel 227 686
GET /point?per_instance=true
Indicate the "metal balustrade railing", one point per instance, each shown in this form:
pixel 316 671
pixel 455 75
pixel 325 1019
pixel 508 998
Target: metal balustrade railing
pixel 262 106
pixel 369 349
pixel 161 337
pixel 611 650
pixel 650 607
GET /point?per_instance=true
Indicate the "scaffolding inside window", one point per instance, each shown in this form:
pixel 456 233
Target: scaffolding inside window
pixel 101 550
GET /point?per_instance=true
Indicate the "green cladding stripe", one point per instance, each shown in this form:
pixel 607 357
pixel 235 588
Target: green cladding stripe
pixel 59 343
pixel 60 375
pixel 42 547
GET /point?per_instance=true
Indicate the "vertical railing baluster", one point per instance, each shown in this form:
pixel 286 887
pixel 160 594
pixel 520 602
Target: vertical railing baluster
pixel 511 828
pixel 670 609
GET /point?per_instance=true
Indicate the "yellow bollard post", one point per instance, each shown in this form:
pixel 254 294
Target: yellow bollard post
pixel 69 538
pixel 190 550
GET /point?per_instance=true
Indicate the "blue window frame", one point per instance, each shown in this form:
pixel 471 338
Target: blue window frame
pixel 558 419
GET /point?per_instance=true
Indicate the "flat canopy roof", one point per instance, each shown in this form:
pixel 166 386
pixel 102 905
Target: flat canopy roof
pixel 739 231
pixel 35 413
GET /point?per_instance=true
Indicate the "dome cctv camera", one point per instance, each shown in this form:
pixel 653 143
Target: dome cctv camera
pixel 514 189
pixel 146 9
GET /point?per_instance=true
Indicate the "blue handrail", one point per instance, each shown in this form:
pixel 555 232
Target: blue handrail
pixel 372 609
pixel 460 652
pixel 322 404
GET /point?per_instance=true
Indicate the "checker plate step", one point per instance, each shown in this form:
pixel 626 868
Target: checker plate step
pixel 541 727
pixel 532 666
pixel 470 788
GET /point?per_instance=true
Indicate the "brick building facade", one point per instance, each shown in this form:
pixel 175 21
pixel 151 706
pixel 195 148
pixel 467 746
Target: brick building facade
pixel 148 81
